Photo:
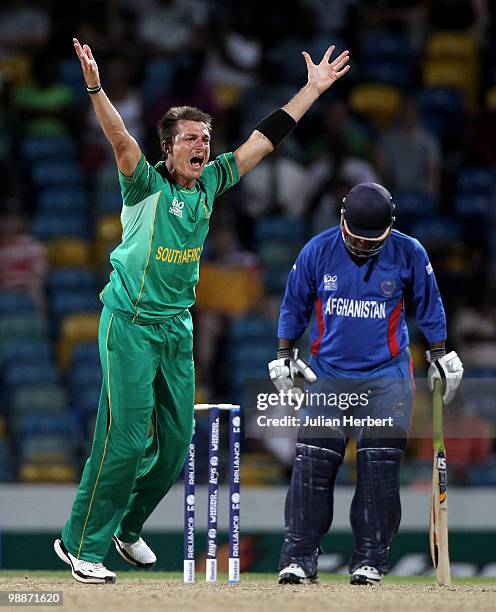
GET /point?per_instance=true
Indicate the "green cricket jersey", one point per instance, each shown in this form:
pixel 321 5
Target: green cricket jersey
pixel 164 226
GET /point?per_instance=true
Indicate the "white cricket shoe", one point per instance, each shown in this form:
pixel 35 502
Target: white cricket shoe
pixel 295 574
pixel 366 575
pixel 139 553
pixel 84 571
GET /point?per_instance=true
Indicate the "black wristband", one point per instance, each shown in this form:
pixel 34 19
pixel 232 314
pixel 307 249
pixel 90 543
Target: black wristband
pixel 284 353
pixel 276 126
pixel 94 90
pixel 437 353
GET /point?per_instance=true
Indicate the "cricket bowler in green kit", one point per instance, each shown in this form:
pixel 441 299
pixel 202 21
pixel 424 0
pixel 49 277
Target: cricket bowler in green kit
pixel 146 336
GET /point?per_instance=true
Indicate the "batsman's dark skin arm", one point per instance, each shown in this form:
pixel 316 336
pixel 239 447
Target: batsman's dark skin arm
pixel 285 343
pixel 437 345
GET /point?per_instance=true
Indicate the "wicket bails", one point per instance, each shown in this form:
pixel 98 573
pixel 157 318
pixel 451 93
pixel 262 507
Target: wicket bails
pixel 213 495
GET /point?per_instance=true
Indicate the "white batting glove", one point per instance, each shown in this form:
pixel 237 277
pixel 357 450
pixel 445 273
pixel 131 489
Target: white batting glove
pixel 286 368
pixel 301 369
pixel 446 368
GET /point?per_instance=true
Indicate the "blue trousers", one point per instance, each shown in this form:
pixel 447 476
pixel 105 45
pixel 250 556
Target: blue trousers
pixel 383 393
pixel 381 400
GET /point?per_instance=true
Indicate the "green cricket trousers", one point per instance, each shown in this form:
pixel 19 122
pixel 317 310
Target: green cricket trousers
pixel 148 378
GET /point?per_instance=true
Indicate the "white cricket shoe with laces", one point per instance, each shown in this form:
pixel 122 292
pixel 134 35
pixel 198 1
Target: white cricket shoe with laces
pixel 366 575
pixel 138 553
pixel 295 574
pixel 84 571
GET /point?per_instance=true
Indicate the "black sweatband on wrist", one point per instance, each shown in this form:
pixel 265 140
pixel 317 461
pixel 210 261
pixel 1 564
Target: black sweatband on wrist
pixel 276 126
pixel 284 353
pixel 94 90
pixel 436 353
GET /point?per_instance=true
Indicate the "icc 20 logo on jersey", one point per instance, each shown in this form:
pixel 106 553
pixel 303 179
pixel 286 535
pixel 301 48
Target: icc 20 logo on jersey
pixel 176 208
pixel 330 282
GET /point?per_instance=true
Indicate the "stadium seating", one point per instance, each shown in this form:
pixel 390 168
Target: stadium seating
pixel 27 349
pixel 452 45
pixel 231 291
pixel 108 233
pixel 107 193
pixel 70 75
pixel 384 46
pixel 71 279
pixel 157 80
pixel 16 302
pixel 42 398
pixel 83 376
pixel 6 474
pixel 48 449
pixel 454 74
pixel 62 200
pixel 452 60
pixel 379 102
pixel 83 353
pixel 68 252
pixel 73 301
pixel 277 260
pixel 279 229
pixel 51 173
pixel 476 191
pixel 395 72
pixel 45 436
pixel 437 228
pixel 75 329
pixel 408 202
pixel 48 225
pixel 252 338
pixel 86 404
pixel 289 72
pixel 443 113
pixel 251 327
pixel 278 241
pixel 260 101
pixel 25 326
pixel 46 147
pixel 36 472
pixel 469 204
pixel 19 374
pixel 108 202
pixel 16 69
pixel 69 301
pixel 227 95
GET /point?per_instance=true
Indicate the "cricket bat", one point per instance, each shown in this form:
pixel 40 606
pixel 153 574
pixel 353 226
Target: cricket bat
pixel 439 501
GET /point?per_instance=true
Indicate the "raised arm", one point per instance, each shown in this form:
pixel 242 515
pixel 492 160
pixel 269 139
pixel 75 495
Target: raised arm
pixel 274 128
pixel 126 150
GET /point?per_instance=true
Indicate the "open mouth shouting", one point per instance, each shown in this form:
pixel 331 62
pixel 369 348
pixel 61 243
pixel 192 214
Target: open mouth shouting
pixel 197 161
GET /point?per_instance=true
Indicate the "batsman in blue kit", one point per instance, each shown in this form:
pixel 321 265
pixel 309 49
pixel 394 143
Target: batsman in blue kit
pixel 356 277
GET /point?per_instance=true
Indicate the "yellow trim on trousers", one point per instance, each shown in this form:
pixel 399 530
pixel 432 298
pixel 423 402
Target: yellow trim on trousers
pixel 106 439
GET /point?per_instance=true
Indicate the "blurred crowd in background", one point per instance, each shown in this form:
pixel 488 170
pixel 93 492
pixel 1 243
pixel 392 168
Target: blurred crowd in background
pixel 417 112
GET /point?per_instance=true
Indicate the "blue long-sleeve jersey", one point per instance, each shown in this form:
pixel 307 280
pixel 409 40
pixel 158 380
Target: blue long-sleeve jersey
pixel 360 310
